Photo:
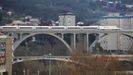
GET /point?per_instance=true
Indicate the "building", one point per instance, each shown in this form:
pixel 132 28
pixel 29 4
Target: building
pixel 67 19
pixel 2 55
pixel 5 55
pixel 28 21
pixel 117 41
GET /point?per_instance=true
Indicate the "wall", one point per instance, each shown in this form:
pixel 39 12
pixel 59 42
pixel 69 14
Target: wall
pixel 9 50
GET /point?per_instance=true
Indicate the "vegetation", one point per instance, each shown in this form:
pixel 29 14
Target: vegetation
pixel 81 64
pixel 97 65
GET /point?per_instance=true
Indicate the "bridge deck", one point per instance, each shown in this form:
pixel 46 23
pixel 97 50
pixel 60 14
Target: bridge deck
pixel 64 29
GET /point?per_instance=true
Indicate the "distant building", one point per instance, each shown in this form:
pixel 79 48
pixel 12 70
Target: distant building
pixel 17 22
pixel 67 19
pixel 129 6
pixel 28 18
pixel 115 41
pixel 9 13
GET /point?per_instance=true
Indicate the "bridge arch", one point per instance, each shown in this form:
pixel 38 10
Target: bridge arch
pixel 17 43
pixel 128 36
pixel 55 59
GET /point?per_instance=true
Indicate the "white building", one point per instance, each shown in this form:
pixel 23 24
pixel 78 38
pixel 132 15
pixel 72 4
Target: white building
pixel 67 19
pixel 116 41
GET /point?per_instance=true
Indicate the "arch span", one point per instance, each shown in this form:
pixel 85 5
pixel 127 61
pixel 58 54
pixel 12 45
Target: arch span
pixel 56 59
pixel 17 43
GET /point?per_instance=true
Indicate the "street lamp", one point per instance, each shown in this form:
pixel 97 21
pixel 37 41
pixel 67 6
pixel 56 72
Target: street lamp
pixel 24 72
pixel 49 63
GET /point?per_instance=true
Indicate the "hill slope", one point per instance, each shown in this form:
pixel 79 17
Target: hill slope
pixel 50 9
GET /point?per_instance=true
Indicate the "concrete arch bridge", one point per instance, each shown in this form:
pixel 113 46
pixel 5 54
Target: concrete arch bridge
pixel 21 33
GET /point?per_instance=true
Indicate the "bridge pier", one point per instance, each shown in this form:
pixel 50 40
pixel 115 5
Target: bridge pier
pixel 33 38
pixel 87 43
pixel 62 36
pixel 73 41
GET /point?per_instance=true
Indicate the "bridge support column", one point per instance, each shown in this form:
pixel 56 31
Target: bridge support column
pixel 84 42
pixel 87 43
pixel 33 38
pixel 62 36
pixel 73 41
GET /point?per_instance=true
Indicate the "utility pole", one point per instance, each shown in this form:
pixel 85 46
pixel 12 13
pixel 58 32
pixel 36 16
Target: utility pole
pixel 24 72
pixel 49 63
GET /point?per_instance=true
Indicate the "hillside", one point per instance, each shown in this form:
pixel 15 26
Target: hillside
pixel 85 10
pixel 50 9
